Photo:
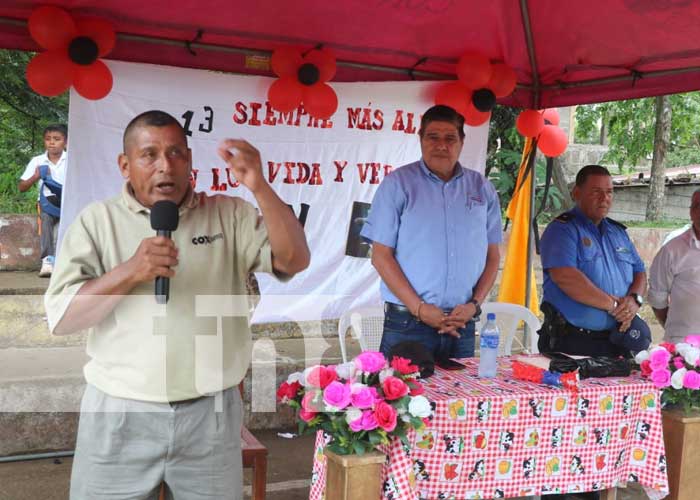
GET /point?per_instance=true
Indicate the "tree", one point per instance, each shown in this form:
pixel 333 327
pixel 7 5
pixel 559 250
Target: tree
pixel 23 115
pixel 631 126
pixel 662 138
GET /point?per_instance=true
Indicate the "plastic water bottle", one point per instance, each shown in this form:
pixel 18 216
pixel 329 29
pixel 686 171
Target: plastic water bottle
pixel 489 348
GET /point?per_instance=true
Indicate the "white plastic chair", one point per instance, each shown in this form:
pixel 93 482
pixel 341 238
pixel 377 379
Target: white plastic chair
pixel 366 325
pixel 508 317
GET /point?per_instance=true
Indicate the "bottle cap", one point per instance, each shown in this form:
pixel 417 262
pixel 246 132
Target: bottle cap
pixel 490 316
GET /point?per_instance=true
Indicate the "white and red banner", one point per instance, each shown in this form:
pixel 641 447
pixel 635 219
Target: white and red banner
pixel 327 171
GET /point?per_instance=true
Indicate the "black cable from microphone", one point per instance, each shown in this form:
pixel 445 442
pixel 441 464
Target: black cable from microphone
pixel 164 219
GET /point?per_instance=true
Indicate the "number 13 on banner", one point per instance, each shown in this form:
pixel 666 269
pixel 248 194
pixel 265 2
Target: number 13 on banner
pixel 206 126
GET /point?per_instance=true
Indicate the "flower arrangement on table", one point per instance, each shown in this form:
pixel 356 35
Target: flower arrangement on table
pixel 360 404
pixel 674 368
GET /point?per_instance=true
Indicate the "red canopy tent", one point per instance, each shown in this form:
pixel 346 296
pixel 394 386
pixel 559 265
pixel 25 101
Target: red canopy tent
pixel 564 53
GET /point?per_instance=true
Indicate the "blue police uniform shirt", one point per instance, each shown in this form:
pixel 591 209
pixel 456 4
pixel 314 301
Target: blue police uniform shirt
pixel 604 253
pixel 440 231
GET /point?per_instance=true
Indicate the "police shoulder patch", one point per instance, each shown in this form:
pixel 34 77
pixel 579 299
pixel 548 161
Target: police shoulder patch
pixel 565 217
pixel 616 223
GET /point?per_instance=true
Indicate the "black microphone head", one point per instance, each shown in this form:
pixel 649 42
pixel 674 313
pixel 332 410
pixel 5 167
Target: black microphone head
pixel 164 216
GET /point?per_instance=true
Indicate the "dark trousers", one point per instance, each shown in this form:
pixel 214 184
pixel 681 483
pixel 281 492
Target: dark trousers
pixel 49 232
pixel 402 326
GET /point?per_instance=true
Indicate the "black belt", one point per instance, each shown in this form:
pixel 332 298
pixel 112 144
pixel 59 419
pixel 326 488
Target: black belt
pixel 390 307
pixel 186 401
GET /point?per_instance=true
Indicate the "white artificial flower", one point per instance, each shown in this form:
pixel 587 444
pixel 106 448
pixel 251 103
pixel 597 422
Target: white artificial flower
pixel 691 355
pixel 356 387
pixel 385 373
pixel 295 377
pixel 406 418
pixel 682 347
pixel 352 414
pixel 656 348
pixel 677 378
pixel 641 356
pixel 419 407
pixel 346 371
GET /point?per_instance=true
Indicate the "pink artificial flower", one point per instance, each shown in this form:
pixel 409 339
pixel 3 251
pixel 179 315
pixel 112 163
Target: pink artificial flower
pixel 669 347
pixel 678 362
pixel 337 395
pixel 661 378
pixel 659 359
pixel 691 380
pixel 375 394
pixel 385 415
pixel 356 425
pixel 307 415
pixel 368 422
pixel 370 361
pixel 645 367
pixel 394 388
pixel 321 376
pixel 364 397
pixel 693 340
pixel 308 404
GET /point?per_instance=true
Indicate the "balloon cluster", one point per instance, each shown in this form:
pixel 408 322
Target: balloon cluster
pixel 543 125
pixel 302 79
pixel 73 48
pixel 480 84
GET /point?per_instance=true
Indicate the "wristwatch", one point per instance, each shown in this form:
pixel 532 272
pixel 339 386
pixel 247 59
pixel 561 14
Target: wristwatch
pixel 477 306
pixel 637 298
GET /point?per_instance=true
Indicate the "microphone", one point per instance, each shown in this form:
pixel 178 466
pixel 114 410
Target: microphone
pixel 164 219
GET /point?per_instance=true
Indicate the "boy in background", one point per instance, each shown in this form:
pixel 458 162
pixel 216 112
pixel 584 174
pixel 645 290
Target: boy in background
pixel 49 169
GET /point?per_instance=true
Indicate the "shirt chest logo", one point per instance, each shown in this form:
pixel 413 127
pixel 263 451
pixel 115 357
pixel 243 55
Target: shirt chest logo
pixel 586 241
pixel 207 240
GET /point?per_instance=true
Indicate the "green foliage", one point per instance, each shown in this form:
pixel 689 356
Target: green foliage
pixel 630 129
pixel 505 147
pixel 23 115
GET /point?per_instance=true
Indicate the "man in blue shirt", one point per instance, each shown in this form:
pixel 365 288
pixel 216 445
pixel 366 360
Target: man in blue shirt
pixel 435 227
pixel 594 278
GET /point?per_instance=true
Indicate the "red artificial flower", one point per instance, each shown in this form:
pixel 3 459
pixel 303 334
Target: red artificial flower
pixel 73 48
pixel 321 376
pixel 385 415
pixel 645 366
pixel 288 391
pixel 669 347
pixel 394 388
pixel 416 388
pixel 403 365
pixel 302 79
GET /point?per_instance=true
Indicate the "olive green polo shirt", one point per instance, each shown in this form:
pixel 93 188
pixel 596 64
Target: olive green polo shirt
pixel 199 342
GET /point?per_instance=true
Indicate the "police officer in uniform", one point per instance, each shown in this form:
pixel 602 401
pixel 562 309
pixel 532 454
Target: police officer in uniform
pixel 594 279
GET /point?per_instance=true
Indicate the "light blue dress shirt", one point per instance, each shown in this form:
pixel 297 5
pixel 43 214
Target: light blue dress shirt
pixel 440 231
pixel 604 253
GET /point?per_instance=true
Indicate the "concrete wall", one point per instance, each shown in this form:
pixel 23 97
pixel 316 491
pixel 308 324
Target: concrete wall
pixel 19 243
pixel 631 201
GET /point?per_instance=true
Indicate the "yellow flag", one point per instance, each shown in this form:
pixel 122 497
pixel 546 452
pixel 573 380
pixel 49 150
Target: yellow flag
pixel 514 277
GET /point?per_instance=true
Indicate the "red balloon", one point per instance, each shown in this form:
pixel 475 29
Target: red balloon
pixel 93 81
pixel 286 61
pixel 473 117
pixel 324 61
pixel 285 94
pixel 529 123
pixel 551 115
pixel 50 73
pixel 552 141
pixel 474 70
pixel 100 31
pixel 320 100
pixel 51 27
pixel 503 80
pixel 454 95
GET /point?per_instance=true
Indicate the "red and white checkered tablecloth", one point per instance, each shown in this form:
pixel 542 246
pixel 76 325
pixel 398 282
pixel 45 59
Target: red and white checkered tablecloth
pixel 501 438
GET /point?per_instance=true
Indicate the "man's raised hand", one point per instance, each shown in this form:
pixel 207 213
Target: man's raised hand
pixel 244 162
